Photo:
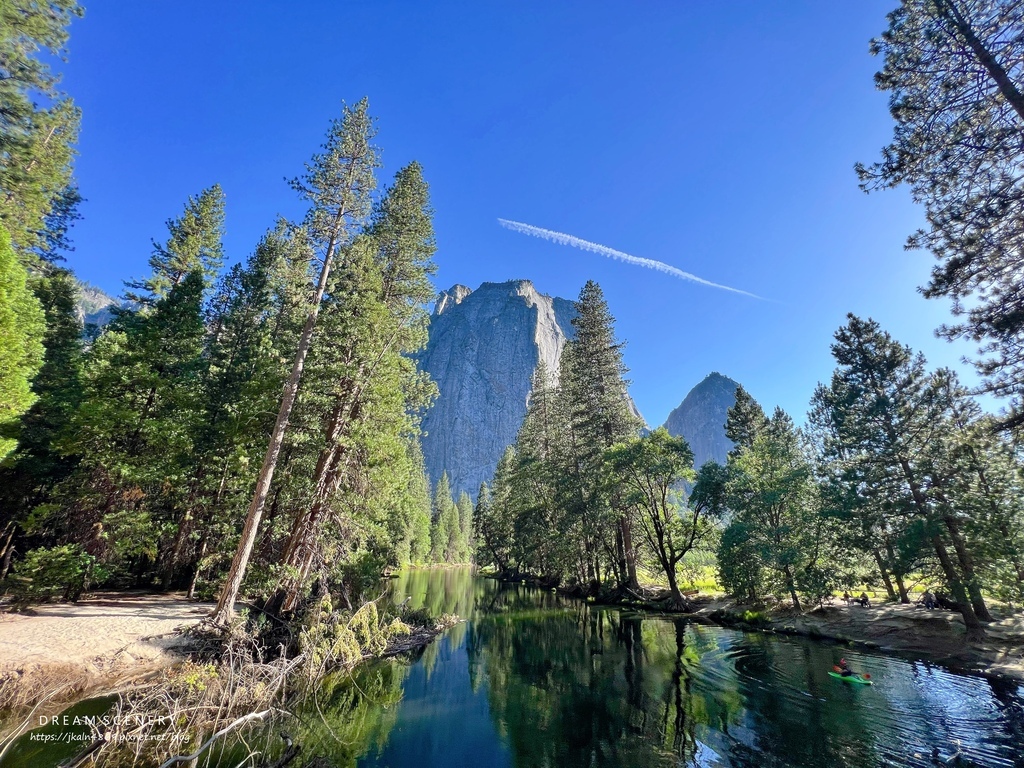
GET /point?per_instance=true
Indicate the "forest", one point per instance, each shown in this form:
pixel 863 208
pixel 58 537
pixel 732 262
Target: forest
pixel 253 429
pixel 131 452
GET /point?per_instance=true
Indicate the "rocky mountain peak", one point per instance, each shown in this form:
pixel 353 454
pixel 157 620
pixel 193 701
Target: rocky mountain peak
pixel 483 348
pixel 450 298
pixel 700 418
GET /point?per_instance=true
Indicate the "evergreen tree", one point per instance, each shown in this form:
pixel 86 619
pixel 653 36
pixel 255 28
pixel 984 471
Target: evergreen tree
pixel 419 499
pixel 952 70
pixel 35 141
pixel 744 421
pixel 22 327
pixel 890 420
pixel 465 538
pixel 494 522
pixel 194 245
pixel 29 476
pixel 362 383
pixel 441 528
pixel 337 183
pixel 593 394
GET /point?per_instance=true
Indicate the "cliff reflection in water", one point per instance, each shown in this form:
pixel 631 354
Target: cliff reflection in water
pixel 532 679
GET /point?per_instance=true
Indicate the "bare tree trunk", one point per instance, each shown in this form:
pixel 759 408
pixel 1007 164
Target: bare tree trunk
pixel 900 585
pixel 971 621
pixel 885 574
pixel 967 566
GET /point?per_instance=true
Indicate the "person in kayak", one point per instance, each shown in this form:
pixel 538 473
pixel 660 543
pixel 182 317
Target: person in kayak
pixel 844 669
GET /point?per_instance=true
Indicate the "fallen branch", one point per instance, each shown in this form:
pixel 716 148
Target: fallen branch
pixel 226 729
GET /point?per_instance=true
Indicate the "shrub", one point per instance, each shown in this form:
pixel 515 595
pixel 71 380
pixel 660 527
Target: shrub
pixel 46 573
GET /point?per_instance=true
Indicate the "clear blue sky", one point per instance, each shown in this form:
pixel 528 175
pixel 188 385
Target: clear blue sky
pixel 717 137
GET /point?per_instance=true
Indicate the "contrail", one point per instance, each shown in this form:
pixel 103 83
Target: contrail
pixel 585 245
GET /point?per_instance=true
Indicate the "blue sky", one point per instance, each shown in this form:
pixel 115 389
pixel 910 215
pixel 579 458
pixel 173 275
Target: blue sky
pixel 717 137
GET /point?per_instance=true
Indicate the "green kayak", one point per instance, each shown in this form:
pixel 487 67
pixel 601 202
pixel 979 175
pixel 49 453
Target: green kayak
pixel 851 678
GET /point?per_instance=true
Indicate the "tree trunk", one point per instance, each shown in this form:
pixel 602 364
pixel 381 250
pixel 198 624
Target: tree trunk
pixel 995 70
pixel 8 550
pixel 225 609
pixel 791 586
pixel 885 574
pixel 967 565
pixel 201 553
pixel 974 626
pixel 900 585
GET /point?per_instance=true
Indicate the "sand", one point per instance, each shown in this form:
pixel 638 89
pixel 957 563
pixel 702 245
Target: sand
pixel 95 644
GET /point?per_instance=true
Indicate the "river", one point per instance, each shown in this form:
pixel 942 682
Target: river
pixel 534 680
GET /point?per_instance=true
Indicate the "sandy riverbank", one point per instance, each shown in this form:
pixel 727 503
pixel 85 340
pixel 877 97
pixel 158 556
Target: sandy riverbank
pixel 98 643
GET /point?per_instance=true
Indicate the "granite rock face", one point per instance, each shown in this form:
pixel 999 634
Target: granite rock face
pixel 700 418
pixel 483 348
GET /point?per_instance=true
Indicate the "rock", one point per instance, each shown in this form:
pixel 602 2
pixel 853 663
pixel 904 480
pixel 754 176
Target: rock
pixel 483 348
pixel 700 418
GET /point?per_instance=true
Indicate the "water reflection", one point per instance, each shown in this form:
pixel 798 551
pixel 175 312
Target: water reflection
pixel 531 679
pixel 570 685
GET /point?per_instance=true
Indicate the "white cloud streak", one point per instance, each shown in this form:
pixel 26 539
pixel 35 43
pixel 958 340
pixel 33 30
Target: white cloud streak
pixel 585 245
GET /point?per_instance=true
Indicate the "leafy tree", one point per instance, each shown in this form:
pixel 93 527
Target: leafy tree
pixel 771 490
pixel 952 69
pixel 650 470
pixel 22 327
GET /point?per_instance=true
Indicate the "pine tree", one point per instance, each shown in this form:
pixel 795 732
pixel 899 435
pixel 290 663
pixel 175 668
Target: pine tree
pixel 361 367
pixel 337 183
pixel 744 421
pixel 29 476
pixel 593 391
pixel 35 141
pixel 193 245
pixel 22 327
pixel 464 540
pixel 440 532
pixel 952 70
pixel 891 420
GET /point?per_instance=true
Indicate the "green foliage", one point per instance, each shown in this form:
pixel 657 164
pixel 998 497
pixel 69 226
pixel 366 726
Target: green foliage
pixel 21 343
pixel 64 571
pixel 38 125
pixel 951 69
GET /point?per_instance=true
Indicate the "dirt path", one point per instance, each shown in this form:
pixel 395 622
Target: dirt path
pixel 94 644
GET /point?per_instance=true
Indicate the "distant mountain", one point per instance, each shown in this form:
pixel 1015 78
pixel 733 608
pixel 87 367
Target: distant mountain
pixel 94 306
pixel 483 348
pixel 700 418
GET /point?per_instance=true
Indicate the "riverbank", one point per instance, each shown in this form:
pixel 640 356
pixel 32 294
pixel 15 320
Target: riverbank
pixel 910 630
pixel 66 651
pixel 937 635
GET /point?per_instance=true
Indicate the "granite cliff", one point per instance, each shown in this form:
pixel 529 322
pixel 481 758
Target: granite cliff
pixel 483 348
pixel 700 418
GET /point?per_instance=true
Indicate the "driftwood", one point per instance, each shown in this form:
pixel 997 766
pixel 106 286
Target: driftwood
pixel 226 729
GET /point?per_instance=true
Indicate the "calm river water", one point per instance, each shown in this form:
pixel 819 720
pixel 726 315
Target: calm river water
pixel 533 680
